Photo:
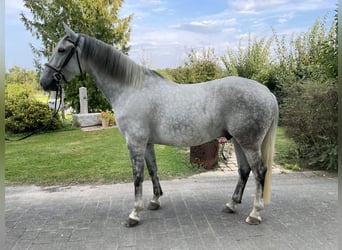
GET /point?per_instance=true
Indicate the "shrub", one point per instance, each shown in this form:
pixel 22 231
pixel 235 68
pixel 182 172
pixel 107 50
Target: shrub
pixel 96 100
pixel 18 90
pixel 24 114
pixel 310 115
pixel 253 62
pixel 200 66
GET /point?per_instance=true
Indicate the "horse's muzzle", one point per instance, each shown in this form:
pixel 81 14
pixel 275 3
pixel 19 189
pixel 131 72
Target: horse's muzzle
pixel 49 85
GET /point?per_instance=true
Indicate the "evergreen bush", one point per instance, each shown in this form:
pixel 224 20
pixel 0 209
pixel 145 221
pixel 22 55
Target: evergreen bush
pixel 310 115
pixel 25 114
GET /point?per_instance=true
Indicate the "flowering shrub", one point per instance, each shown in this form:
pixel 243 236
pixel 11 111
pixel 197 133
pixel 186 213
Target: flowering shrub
pixel 107 116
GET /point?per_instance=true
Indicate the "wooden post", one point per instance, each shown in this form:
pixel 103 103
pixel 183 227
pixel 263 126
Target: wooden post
pixel 205 155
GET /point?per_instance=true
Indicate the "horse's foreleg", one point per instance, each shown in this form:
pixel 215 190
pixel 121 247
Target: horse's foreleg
pixel 137 159
pixel 151 163
pixel 244 170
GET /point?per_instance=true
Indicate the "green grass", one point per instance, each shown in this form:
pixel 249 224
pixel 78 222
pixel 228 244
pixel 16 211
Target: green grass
pixel 75 156
pixel 286 149
pixel 72 156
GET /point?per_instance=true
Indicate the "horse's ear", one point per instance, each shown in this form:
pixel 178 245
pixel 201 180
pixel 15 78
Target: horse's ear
pixel 69 31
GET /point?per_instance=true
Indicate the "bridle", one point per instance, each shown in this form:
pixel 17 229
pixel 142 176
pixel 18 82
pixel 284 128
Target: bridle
pixel 58 76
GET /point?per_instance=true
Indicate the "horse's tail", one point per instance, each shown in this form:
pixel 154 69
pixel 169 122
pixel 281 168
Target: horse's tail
pixel 267 153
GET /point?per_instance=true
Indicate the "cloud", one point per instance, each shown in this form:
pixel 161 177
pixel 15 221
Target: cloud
pixel 255 6
pixel 285 18
pixel 14 6
pixel 267 6
pixel 165 31
pixel 206 26
pixel 143 9
pixel 160 9
pixel 150 2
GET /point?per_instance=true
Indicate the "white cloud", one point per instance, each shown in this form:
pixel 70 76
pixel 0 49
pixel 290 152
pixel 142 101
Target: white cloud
pixel 255 6
pixel 165 44
pixel 150 2
pixel 165 41
pixel 285 18
pixel 14 6
pixel 143 9
pixel 208 26
pixel 160 9
pixel 266 6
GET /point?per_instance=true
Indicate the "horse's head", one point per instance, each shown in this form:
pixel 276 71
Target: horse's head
pixel 64 63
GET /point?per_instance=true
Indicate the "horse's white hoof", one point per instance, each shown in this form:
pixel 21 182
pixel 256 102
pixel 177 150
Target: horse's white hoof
pixel 229 209
pixel 253 221
pixel 154 205
pixel 132 221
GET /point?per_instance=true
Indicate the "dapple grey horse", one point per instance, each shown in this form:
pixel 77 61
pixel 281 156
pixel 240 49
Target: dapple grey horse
pixel 150 109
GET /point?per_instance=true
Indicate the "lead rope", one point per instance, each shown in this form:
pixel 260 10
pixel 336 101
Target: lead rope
pixel 222 152
pixel 53 116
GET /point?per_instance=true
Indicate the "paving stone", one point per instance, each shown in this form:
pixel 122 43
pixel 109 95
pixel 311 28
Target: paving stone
pixel 302 215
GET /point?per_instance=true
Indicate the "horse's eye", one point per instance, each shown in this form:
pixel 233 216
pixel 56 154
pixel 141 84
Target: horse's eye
pixel 61 50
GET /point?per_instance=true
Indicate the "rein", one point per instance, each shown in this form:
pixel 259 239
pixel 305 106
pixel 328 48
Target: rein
pixel 58 76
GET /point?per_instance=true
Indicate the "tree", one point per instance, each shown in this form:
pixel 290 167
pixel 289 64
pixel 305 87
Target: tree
pixel 309 55
pixel 18 75
pixel 201 66
pixel 99 19
pixel 309 109
pixel 253 62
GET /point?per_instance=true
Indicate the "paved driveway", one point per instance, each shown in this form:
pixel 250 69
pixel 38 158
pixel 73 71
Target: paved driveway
pixel 302 215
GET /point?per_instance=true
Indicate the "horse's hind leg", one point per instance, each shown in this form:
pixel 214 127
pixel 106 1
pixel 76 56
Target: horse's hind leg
pixel 259 171
pixel 244 170
pixel 150 159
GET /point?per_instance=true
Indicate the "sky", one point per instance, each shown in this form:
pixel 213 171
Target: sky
pixel 164 31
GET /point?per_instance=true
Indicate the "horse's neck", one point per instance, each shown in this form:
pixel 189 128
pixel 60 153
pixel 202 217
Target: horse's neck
pixel 109 86
pixel 116 92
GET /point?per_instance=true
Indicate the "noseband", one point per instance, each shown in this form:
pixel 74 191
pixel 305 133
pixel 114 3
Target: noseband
pixel 58 76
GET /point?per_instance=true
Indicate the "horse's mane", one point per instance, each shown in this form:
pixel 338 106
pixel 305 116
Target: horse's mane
pixel 115 63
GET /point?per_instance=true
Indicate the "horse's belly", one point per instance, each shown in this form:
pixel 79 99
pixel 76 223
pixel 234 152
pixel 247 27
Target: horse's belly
pixel 185 134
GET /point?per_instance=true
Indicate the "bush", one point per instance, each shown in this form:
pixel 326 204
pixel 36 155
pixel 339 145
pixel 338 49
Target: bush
pixel 310 115
pixel 200 66
pixel 24 114
pixel 18 90
pixel 96 100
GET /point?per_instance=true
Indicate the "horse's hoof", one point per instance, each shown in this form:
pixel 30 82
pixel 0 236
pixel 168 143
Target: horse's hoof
pixel 153 205
pixel 228 209
pixel 253 221
pixel 131 222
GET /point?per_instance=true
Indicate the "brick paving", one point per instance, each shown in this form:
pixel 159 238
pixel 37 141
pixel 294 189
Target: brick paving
pixel 302 215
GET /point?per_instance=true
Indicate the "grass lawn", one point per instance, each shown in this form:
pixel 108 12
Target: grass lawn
pixel 286 151
pixel 101 157
pixel 75 156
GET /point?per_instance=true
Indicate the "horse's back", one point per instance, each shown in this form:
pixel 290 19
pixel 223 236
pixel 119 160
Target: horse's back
pixel 195 113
